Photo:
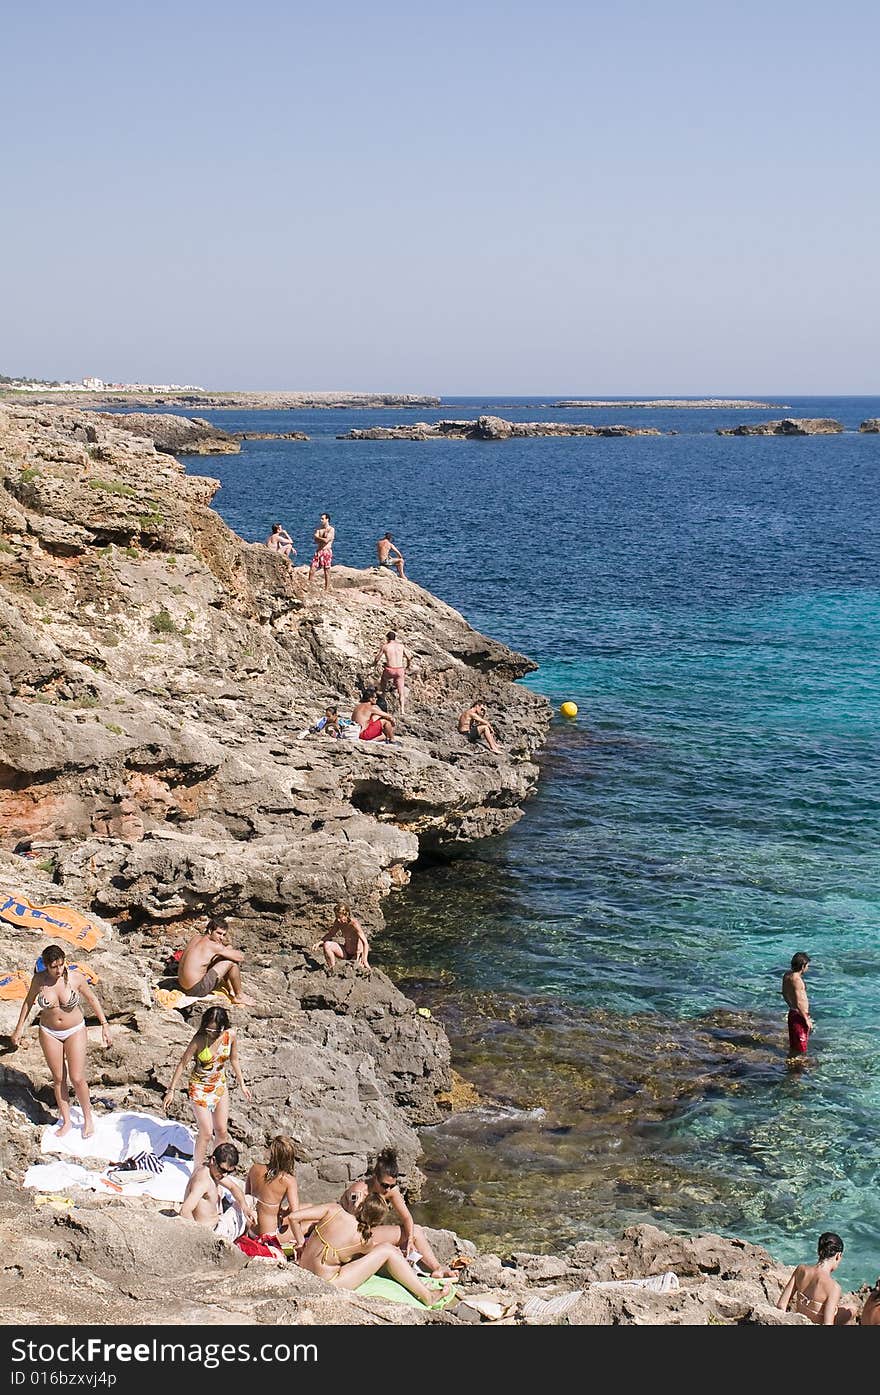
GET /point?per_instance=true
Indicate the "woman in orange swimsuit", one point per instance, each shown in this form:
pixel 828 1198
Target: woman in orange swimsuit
pixel 59 992
pixel 812 1291
pixel 338 1249
pixel 213 1045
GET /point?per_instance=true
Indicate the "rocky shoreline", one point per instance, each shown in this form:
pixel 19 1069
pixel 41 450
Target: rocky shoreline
pixel 252 401
pixel 488 428
pixel 787 426
pixel 158 675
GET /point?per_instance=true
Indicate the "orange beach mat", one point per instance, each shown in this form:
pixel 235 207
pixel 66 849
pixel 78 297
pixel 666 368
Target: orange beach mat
pixel 14 985
pixel 52 922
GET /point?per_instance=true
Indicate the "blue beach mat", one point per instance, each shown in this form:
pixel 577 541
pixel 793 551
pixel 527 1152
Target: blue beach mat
pixel 378 1287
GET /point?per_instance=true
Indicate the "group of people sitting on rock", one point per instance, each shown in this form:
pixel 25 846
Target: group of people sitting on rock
pixel 370 719
pixel 345 1241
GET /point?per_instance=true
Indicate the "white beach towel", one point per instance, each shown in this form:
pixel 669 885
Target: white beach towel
pixel 117 1135
pixel 544 1309
pixel 655 1283
pixel 167 1185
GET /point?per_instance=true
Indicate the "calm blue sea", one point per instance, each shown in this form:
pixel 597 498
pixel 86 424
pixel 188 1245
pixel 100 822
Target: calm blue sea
pixel 713 606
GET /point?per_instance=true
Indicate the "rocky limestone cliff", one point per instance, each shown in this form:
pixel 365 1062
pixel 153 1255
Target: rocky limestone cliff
pixel 488 428
pixel 175 435
pixel 157 676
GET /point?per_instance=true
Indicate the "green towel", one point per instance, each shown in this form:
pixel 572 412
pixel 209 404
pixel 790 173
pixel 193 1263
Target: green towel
pixel 379 1287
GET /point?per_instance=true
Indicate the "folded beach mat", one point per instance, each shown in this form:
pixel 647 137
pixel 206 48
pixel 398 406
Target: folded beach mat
pixel 379 1287
pixel 55 922
pixel 117 1135
pixel 173 999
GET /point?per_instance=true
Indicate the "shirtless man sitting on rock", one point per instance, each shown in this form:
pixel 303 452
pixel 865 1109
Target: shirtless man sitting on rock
pixel 371 718
pixel 201 1200
pixel 207 960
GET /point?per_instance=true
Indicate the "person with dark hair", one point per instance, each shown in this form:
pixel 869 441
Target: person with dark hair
pixel 475 725
pixel 341 1249
pixel 394 659
pixel 201 1200
pixel 280 541
pixel 213 1045
pixel 371 718
pixel 324 535
pixel 800 1023
pixel 272 1186
pixel 209 958
pixel 59 992
pixel 812 1291
pixel 384 1182
pixel 384 548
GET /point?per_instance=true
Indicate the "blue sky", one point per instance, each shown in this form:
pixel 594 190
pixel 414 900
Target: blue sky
pixel 506 198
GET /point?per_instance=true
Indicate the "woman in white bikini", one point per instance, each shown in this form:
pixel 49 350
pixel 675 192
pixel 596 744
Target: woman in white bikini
pixel 59 992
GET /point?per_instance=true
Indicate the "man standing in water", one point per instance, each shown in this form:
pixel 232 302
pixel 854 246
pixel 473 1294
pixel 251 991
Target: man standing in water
pixel 324 536
pixel 800 1023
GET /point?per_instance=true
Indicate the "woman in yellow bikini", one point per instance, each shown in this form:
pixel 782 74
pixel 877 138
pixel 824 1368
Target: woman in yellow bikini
pixel 338 1249
pixel 59 992
pixel 211 1049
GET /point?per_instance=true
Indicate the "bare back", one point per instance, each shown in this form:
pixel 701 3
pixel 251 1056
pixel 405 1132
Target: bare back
pixel 196 957
pixel 270 1196
pixel 334 1240
pixel 394 654
pixel 813 1287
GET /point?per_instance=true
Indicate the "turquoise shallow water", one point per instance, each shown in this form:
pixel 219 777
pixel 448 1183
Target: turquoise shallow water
pixel 713 606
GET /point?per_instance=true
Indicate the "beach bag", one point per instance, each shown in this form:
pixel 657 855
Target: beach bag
pixel 264 1247
pixel 146 1161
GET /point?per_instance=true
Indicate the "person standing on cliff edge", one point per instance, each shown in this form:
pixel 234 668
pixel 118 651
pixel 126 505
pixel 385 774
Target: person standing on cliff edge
pixel 800 1023
pixel 324 536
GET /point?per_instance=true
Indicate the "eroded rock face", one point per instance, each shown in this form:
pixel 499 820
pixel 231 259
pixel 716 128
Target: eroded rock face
pixel 176 435
pixel 786 426
pixel 158 677
pixel 871 426
pixel 488 428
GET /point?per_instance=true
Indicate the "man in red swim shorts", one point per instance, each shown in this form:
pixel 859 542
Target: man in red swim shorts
pixel 800 1023
pixel 324 536
pixel 371 718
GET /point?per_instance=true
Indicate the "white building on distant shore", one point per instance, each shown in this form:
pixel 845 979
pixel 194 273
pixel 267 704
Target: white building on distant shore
pixel 99 385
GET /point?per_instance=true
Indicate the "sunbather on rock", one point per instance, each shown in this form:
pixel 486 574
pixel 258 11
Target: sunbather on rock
pixel 340 1249
pixel 209 959
pixel 384 1183
pixel 272 1186
pixel 201 1200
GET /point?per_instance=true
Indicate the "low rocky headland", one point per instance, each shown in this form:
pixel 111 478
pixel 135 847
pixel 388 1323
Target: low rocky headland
pixel 488 428
pixel 786 426
pixel 189 397
pixel 678 402
pixel 158 676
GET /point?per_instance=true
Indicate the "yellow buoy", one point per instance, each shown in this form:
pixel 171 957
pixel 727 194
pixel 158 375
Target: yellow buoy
pixel 569 709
